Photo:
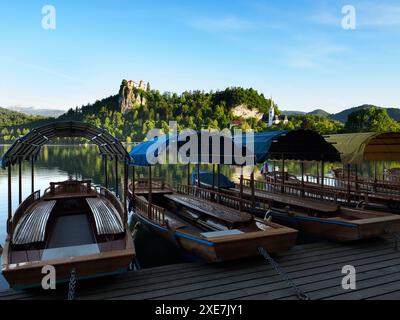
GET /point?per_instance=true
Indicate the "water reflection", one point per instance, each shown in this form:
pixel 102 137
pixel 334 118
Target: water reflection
pixel 58 163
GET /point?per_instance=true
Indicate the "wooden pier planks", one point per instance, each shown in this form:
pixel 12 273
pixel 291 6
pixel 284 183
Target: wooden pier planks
pixel 315 268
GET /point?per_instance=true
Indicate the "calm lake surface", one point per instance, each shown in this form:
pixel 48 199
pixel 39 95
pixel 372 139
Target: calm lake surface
pixel 58 163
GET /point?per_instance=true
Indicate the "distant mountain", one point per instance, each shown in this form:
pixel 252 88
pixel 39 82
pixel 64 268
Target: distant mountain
pixel 342 116
pixel 292 113
pixel 317 112
pixel 31 111
pixel 320 113
pixel 10 118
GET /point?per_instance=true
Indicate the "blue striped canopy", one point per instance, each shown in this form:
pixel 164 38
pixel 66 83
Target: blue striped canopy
pixel 151 149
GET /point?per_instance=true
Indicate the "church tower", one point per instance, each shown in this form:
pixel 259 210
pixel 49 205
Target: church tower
pixel 271 115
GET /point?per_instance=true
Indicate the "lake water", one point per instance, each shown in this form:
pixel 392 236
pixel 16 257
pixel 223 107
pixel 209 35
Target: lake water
pixel 58 163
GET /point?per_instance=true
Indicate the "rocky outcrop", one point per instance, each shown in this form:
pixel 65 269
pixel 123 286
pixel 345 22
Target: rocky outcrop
pixel 244 112
pixel 131 95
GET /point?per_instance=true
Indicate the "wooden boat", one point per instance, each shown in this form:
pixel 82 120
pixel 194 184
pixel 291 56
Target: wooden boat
pixel 207 231
pixel 318 218
pixel 327 220
pixel 72 226
pixel 79 229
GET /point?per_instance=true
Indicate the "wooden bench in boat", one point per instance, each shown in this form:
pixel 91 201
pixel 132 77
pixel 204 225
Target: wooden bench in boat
pixel 290 200
pixel 32 226
pixel 107 218
pixel 210 208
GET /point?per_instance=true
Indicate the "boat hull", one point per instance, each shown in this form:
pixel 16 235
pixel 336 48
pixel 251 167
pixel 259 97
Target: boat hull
pixel 224 248
pixel 339 231
pixel 29 275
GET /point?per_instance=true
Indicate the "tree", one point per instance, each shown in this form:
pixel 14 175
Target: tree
pixel 371 119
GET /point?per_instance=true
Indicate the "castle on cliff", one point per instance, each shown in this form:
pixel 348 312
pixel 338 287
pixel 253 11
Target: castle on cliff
pixel 131 94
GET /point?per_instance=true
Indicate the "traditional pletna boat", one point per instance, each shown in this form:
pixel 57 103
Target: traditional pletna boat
pixel 202 229
pixel 310 209
pixel 74 226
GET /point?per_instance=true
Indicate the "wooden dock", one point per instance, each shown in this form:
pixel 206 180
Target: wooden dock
pixel 314 268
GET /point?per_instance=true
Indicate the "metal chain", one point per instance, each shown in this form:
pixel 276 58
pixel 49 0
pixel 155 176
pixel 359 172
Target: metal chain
pixel 278 269
pixel 72 284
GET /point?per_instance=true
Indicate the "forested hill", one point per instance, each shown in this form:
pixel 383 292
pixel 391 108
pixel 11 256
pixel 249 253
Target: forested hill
pixel 191 109
pixel 342 116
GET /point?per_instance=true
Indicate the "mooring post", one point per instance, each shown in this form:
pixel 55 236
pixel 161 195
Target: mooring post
pixel 133 182
pixel 283 174
pixel 302 178
pixel 241 189
pixel 126 170
pixel 105 171
pixel 253 198
pixel 213 183
pixel 20 180
pixel 198 175
pixel 219 182
pixel 116 176
pixel 9 201
pixel 32 174
pixel 188 174
pixel 150 193
pixel 348 183
pixel 322 177
pixel 375 175
pixel 356 171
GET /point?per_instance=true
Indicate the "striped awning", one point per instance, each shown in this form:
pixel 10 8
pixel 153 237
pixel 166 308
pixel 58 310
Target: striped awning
pixel 29 145
pixel 369 146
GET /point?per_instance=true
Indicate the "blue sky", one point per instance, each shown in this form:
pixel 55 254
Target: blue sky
pixel 295 51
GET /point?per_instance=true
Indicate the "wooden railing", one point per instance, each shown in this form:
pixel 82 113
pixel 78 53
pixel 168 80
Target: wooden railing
pixel 295 189
pixel 314 191
pixel 21 210
pixel 155 184
pixel 152 212
pixel 69 186
pixel 225 198
pixel 361 184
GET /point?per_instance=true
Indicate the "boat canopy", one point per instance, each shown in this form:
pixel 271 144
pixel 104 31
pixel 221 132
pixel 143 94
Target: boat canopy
pixel 299 145
pixel 210 147
pixel 29 145
pixel 371 146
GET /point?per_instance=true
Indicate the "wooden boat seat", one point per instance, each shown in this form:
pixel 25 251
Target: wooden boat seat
pixel 290 200
pixel 32 226
pixel 210 208
pixel 107 218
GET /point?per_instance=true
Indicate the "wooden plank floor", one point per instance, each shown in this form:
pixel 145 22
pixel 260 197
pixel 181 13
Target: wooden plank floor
pixel 315 268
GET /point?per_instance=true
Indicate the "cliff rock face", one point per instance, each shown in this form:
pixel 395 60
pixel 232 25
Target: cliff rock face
pixel 131 95
pixel 243 111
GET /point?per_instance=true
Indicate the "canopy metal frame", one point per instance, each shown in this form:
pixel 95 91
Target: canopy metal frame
pixel 28 148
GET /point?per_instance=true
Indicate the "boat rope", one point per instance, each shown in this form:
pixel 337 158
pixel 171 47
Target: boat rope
pixel 279 270
pixel 72 284
pixel 360 204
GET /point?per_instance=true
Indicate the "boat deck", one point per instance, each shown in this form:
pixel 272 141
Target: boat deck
pixel 291 200
pixel 315 268
pixel 210 208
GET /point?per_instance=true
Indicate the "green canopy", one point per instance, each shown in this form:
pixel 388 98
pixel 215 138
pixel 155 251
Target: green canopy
pixel 366 146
